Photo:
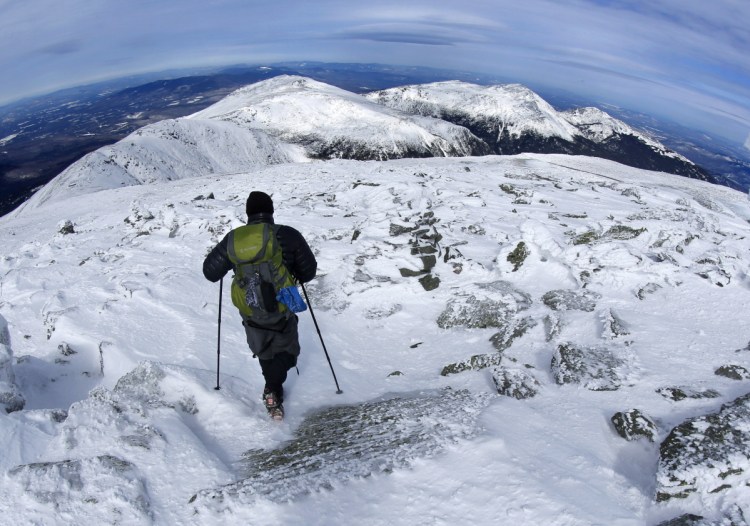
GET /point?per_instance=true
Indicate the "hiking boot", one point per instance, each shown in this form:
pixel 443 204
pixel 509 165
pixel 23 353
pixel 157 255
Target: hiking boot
pixel 277 413
pixel 273 406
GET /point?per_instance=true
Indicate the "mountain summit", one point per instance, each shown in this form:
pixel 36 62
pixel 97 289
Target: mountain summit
pixel 289 119
pixel 513 119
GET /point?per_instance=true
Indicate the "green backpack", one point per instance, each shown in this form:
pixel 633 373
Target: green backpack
pixel 259 273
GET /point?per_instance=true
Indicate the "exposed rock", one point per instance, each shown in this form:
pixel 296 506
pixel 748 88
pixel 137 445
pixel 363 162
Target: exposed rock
pixel 510 332
pixel 474 313
pixel 681 393
pixel 475 363
pixel 352 441
pixel 516 383
pixel 623 232
pixel 633 424
pixel 409 273
pixel 735 372
pixel 429 282
pixel 66 350
pixel 616 232
pixel 66 227
pixel 685 520
pixel 595 368
pixel 584 300
pixel 647 289
pixel 733 517
pixel 707 458
pixel 397 230
pixel 612 325
pixel 518 255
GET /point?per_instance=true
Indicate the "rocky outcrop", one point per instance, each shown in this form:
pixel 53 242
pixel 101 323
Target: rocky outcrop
pixel 595 368
pixel 353 441
pixel 707 459
pixel 633 425
pixel 515 383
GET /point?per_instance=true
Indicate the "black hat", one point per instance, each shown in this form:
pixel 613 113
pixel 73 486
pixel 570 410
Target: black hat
pixel 259 203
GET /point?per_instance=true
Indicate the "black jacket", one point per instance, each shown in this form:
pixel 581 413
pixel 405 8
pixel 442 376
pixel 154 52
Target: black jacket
pixel 296 253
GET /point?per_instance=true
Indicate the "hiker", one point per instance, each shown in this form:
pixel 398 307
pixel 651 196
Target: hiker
pixel 266 258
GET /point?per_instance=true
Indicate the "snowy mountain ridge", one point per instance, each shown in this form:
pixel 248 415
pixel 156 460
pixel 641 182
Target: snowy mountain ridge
pixel 513 119
pixel 296 119
pixel 599 126
pixel 519 109
pixel 165 151
pixel 536 339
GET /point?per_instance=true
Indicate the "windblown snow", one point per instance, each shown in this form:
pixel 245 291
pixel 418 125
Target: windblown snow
pixel 516 339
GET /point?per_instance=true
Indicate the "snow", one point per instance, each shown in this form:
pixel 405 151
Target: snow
pixel 520 108
pixel 113 338
pixel 598 126
pixel 295 108
pixel 280 120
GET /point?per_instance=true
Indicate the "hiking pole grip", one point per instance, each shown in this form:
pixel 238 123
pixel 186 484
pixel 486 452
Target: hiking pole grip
pixel 315 321
pixel 218 337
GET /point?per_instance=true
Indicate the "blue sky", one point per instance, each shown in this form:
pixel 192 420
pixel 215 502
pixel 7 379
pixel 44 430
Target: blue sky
pixel 687 60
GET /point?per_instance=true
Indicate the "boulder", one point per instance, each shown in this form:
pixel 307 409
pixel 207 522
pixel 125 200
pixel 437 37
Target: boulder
pixel 633 425
pixel 595 368
pixel 515 383
pixel 705 459
pixel 584 300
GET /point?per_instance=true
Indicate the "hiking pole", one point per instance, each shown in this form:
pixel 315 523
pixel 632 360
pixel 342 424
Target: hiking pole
pixel 338 389
pixel 218 337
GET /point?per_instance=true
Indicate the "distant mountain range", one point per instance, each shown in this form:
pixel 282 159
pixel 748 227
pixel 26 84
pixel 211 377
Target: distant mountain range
pixel 513 119
pixel 40 138
pixel 296 119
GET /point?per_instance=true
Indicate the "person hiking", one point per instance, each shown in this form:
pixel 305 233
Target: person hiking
pixel 266 259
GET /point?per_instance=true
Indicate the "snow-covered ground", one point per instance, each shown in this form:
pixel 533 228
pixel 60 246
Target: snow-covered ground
pixel 423 278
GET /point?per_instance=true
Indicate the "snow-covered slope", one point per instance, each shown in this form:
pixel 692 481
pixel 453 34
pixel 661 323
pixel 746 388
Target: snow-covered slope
pixel 599 126
pixel 284 119
pixel 334 123
pixel 549 293
pixel 295 119
pixel 513 119
pixel 515 109
pixel 166 151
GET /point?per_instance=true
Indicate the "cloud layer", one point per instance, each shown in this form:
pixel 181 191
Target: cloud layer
pixel 683 59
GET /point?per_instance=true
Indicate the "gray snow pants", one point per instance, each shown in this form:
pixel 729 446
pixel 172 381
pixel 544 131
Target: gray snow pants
pixel 277 349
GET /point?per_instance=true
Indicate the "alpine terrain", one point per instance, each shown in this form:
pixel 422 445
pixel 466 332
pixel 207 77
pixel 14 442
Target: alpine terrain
pixel 534 338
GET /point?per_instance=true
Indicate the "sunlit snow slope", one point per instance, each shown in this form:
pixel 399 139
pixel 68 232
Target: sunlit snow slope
pixel 548 292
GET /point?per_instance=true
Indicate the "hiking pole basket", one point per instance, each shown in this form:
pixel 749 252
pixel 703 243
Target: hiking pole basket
pixel 218 337
pixel 338 389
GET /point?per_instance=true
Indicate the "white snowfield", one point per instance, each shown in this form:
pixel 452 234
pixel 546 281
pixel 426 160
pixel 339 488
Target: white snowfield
pixel 113 335
pixel 291 108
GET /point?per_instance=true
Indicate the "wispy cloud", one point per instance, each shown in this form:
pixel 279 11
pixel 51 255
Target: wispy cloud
pixel 61 48
pixel 686 59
